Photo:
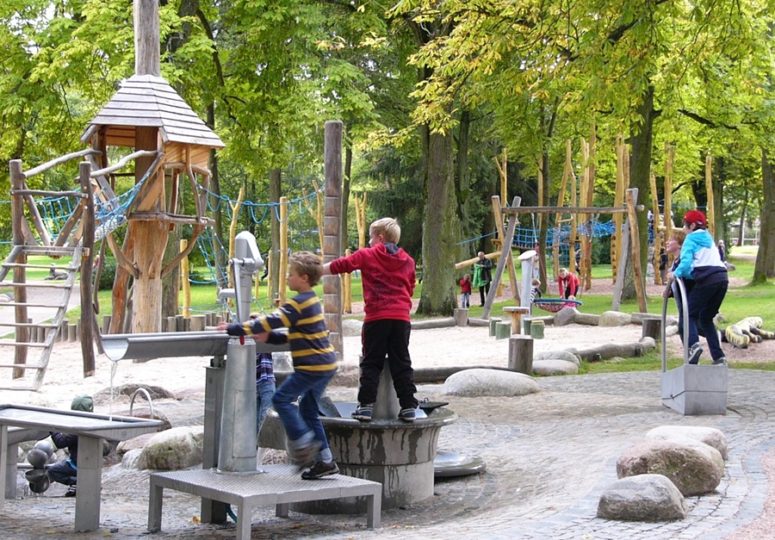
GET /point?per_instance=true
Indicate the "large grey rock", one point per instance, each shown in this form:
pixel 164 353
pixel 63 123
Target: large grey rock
pixel 554 367
pixel 694 467
pixel 566 315
pixel 567 356
pixel 489 382
pixel 615 318
pixel 708 435
pixel 590 319
pixel 173 449
pixel 645 497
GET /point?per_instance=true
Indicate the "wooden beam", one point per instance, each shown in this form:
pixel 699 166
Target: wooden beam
pixel 121 259
pixel 507 240
pixel 498 215
pixel 568 210
pixel 87 260
pixel 57 161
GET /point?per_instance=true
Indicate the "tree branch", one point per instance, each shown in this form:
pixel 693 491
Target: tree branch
pixel 705 121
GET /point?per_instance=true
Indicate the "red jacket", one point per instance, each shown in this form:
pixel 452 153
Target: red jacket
pixel 388 280
pixel 465 285
pixel 570 281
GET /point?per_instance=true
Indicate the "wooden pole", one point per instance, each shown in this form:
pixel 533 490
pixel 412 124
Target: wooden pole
pixel 656 228
pixel 332 294
pixel 235 208
pixel 147 37
pixel 87 263
pixel 19 272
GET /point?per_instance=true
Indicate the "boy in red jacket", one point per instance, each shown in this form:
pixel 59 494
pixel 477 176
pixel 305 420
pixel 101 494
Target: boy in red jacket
pixel 388 283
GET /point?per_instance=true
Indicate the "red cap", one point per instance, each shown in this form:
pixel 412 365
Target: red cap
pixel 695 216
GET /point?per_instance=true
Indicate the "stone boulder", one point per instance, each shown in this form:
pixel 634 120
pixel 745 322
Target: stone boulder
pixel 708 435
pixel 645 497
pixel 567 356
pixel 615 318
pixel 554 367
pixel 566 315
pixel 351 327
pixel 694 467
pixel 489 382
pixel 173 449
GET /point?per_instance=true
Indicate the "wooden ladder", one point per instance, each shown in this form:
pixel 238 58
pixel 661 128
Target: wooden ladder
pixel 48 298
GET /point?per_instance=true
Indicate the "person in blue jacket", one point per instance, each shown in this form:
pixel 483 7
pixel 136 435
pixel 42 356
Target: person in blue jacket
pixel 701 262
pixel 66 471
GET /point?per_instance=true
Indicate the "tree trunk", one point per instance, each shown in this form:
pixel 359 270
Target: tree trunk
pixel 274 196
pixel 765 257
pixel 640 170
pixel 440 230
pixel 171 282
pixel 462 180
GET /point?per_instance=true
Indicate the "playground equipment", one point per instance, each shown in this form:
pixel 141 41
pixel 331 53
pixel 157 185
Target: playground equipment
pixel 691 389
pixel 72 246
pixel 553 305
pixel 631 241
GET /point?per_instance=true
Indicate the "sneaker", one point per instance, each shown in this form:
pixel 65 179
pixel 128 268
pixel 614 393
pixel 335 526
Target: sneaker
pixel 363 412
pixel 70 492
pixel 721 361
pixel 407 415
pixel 319 470
pixel 695 351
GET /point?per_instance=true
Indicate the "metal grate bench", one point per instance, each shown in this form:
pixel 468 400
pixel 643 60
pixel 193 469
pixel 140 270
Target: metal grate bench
pixel 280 486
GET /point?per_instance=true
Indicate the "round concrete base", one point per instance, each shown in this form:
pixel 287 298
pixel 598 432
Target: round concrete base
pixel 399 455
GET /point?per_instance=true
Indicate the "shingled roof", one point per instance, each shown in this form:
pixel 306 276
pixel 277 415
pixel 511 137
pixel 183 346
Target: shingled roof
pixel 149 101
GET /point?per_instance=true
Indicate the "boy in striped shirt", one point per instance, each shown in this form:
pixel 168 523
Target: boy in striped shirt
pixel 314 365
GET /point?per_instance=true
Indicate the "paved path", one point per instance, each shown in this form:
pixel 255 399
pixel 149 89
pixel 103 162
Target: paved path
pixel 549 456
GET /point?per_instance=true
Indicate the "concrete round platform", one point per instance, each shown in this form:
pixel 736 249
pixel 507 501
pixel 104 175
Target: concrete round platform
pixel 397 454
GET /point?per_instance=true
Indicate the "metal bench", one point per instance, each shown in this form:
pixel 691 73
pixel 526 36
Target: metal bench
pixel 280 486
pixel 90 428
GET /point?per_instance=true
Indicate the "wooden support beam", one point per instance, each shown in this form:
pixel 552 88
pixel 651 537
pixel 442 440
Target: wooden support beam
pixel 87 261
pixel 631 198
pixel 498 215
pixel 508 238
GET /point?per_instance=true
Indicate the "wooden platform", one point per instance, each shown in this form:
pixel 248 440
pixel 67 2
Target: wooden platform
pixel 279 485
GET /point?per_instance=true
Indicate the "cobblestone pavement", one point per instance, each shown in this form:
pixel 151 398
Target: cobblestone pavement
pixel 549 456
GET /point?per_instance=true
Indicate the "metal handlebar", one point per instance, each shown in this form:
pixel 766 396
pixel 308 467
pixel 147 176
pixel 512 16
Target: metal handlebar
pixel 685 318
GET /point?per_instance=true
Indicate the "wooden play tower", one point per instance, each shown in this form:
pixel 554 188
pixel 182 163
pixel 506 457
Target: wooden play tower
pixel 169 140
pixel 146 124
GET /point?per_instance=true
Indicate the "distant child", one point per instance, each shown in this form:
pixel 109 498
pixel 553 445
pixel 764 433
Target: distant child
pixel 482 276
pixel 465 291
pixel 388 283
pixel 567 283
pixel 314 364
pixel 535 291
pixel 66 471
pixel 265 385
pixel 700 261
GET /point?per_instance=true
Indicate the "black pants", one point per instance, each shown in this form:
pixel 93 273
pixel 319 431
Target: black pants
pixel 483 290
pixel 387 337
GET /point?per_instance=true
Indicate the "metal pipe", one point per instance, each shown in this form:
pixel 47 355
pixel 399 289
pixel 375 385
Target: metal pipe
pixel 237 448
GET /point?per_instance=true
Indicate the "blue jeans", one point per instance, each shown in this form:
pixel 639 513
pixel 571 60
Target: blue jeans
pixel 704 303
pixel 264 392
pixel 63 472
pixel 300 421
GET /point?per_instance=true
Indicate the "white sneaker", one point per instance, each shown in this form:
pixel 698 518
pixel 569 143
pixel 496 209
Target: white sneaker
pixel 695 351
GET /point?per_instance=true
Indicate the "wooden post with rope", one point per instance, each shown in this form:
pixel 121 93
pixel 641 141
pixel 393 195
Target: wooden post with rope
pixel 657 230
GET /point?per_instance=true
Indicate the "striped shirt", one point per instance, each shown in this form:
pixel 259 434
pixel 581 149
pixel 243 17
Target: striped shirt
pixel 307 334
